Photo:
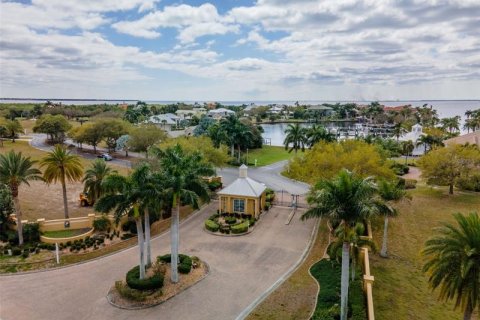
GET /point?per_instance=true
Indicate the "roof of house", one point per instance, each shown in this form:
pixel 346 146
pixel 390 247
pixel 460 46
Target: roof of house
pixel 472 138
pixel 221 110
pixel 168 118
pixel 244 186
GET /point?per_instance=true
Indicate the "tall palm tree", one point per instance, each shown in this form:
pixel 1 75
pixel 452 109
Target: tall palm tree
pixel 318 133
pixel 407 149
pixel 15 170
pixel 61 165
pixel 184 185
pixel 356 240
pixel 295 136
pixel 93 178
pixel 399 130
pixel 390 192
pixel 126 196
pixel 453 262
pixel 348 199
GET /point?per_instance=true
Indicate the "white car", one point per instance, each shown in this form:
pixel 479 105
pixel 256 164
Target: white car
pixel 105 156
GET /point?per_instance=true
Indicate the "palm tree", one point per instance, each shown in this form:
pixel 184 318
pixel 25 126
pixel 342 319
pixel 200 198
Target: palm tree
pixel 93 178
pixel 348 199
pixel 454 262
pixel 398 130
pixel 15 170
pixel 61 165
pixel 184 185
pixel 407 149
pixel 318 133
pixel 126 196
pixel 451 124
pixel 295 135
pixel 390 192
pixel 357 242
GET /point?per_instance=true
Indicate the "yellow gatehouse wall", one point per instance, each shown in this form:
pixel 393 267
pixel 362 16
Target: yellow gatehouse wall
pixel 253 206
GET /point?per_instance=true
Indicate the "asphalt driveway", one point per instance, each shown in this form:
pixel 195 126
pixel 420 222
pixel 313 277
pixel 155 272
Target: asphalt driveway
pixel 242 268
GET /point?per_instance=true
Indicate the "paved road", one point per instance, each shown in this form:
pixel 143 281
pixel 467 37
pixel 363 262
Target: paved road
pixel 242 268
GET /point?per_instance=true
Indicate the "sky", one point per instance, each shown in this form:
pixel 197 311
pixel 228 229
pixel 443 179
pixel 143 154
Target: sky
pixel 231 50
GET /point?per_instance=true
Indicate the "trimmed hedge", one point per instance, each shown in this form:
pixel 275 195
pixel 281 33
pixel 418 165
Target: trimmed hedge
pixel 230 220
pixel 239 228
pixel 211 225
pixel 102 223
pixel 185 263
pixel 134 282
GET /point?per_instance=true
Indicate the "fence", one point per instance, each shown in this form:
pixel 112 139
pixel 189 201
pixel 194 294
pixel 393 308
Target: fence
pixel 285 199
pixel 367 277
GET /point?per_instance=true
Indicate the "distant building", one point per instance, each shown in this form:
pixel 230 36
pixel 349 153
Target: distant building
pixel 165 121
pixel 220 113
pixel 414 135
pixel 275 110
pixel 250 107
pixel 470 138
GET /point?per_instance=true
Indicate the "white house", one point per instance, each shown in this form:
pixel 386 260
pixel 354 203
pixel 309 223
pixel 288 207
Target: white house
pixel 414 135
pixel 165 121
pixel 275 110
pixel 220 113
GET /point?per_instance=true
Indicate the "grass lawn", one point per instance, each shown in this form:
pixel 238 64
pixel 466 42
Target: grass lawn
pixel 268 155
pixel 65 233
pixel 296 297
pixel 401 290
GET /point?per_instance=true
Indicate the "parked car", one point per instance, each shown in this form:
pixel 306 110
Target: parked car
pixel 105 156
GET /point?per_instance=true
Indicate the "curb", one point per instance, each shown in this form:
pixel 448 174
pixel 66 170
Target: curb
pixel 283 278
pixel 193 214
pixel 108 297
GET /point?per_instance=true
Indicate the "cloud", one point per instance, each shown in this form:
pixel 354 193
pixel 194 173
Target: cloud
pixel 192 22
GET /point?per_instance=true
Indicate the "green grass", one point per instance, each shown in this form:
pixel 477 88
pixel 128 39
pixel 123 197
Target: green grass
pixel 401 289
pixel 65 233
pixel 268 155
pixel 328 274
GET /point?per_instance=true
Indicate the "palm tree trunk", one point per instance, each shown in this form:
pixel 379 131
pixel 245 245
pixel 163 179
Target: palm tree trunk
pixel 450 190
pixel 406 159
pixel 140 246
pixel 18 214
pixel 64 191
pixel 383 252
pixel 232 151
pixel 354 266
pixel 467 315
pixel 147 238
pixel 345 280
pixel 175 240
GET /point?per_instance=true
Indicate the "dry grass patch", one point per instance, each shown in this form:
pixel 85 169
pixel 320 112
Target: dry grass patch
pixel 296 297
pixel 43 201
pixel 401 289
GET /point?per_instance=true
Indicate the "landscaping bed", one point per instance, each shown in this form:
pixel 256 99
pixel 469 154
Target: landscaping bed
pixel 69 233
pixel 156 288
pixel 328 275
pixel 230 224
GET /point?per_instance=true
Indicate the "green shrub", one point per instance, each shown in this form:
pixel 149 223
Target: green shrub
pixel 16 251
pixel 130 293
pixel 399 168
pixel 185 263
pixel 213 217
pixel 471 183
pixel 37 250
pixel 101 224
pixel 239 228
pixel 211 225
pixel 25 253
pixel 31 232
pixel 134 282
pixel 230 220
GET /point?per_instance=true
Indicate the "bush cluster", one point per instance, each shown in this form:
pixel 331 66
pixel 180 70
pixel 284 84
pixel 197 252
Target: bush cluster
pixel 185 263
pixel 230 220
pixel 134 282
pixel 240 228
pixel 211 225
pixel 471 183
pixel 129 293
pixel 399 168
pixel 101 224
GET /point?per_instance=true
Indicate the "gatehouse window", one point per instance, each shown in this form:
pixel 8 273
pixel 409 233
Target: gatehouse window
pixel 238 205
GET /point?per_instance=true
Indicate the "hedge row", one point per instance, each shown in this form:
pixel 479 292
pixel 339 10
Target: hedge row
pixel 152 283
pixel 240 228
pixel 211 225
